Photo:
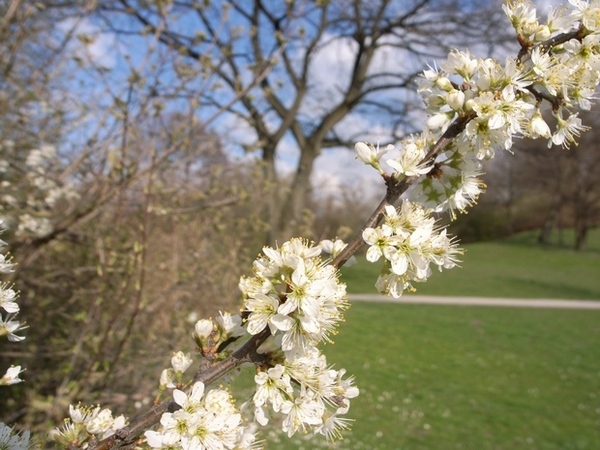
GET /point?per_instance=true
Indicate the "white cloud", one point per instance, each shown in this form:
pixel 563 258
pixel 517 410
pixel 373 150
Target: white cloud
pixel 338 169
pixel 90 43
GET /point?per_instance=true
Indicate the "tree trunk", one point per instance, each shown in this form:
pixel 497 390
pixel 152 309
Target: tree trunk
pixel 550 223
pixel 581 237
pixel 272 188
pixel 296 197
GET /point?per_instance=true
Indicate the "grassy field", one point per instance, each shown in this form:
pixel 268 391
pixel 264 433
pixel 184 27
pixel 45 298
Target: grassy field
pixel 476 378
pixel 516 268
pixel 443 377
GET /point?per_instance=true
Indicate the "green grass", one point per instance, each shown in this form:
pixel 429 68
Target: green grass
pixel 443 377
pixel 515 268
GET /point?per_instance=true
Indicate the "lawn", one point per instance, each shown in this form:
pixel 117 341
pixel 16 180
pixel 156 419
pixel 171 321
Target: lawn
pixel 515 267
pixel 449 377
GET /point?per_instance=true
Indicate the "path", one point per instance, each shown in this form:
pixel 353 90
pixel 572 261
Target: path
pixel 479 301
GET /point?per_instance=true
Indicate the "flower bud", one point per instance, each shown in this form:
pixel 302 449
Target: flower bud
pixel 369 154
pixel 167 378
pixel 363 152
pixel 436 101
pixel 469 105
pixel 438 121
pixel 444 84
pixel 181 361
pixel 539 127
pixel 542 33
pixel 456 99
pixel 203 329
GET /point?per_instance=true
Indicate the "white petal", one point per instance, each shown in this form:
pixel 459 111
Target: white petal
pixel 373 254
pixel 180 397
pixel 282 322
pixel 400 264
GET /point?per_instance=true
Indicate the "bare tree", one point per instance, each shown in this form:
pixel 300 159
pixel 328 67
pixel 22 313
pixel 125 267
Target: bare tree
pixel 331 63
pixel 583 181
pixel 102 187
pixel 560 185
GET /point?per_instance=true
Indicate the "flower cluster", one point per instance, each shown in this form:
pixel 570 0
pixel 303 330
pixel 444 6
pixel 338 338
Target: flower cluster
pixel 172 377
pixel 523 17
pixel 85 422
pixel 29 191
pixel 456 189
pixel 8 302
pixel 496 101
pixel 204 421
pixel 298 297
pixel 296 294
pixel 308 393
pixel 410 242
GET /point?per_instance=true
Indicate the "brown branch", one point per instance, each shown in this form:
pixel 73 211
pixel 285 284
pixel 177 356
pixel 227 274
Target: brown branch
pixel 396 189
pixel 207 373
pixel 547 45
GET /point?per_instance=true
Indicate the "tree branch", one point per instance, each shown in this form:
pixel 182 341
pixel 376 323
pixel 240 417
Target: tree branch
pixel 207 373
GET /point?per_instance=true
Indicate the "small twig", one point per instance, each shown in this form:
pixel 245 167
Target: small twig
pixel 396 189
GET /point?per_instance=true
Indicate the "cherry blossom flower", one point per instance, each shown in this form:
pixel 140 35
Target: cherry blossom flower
pixel 9 327
pixel 371 155
pixel 181 361
pixel 416 244
pixel 411 161
pixel 85 422
pixel 11 376
pixel 206 420
pixel 7 299
pixel 567 130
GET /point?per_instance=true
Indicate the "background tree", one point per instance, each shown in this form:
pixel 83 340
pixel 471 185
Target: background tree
pixel 102 188
pixel 334 65
pixel 544 188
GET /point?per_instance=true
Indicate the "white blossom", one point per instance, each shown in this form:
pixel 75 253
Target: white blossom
pixel 10 439
pixel 412 243
pixel 230 325
pixel 7 299
pixel 371 155
pixel 8 328
pixel 203 329
pixel 567 130
pixel 5 264
pixel 411 160
pixel 102 424
pixel 588 12
pixel 304 301
pixel 181 361
pixel 11 376
pixel 206 420
pixel 168 378
pixel 86 421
